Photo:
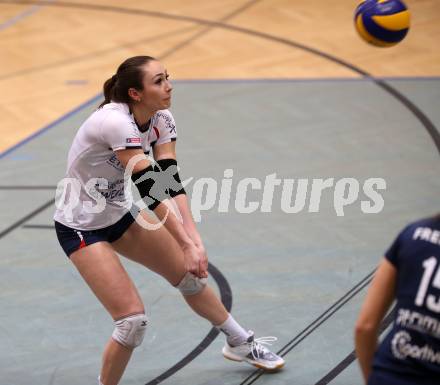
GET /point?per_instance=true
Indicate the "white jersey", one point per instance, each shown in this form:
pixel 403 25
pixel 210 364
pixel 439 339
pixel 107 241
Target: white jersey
pixel 92 156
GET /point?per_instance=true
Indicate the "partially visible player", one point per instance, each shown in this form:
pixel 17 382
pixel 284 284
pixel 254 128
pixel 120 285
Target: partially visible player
pixel 409 274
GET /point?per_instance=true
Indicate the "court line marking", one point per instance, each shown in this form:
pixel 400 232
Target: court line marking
pixel 426 122
pixel 432 131
pixel 218 24
pixel 167 53
pixel 222 283
pixel 94 54
pixel 195 81
pixel 31 226
pixel 307 80
pixel 211 335
pixel 207 28
pixel 226 298
pixel 429 126
pixel 315 324
pixel 255 375
pixel 28 187
pixel 224 288
pixel 50 125
pixel 20 16
pixel 27 217
pixel 347 361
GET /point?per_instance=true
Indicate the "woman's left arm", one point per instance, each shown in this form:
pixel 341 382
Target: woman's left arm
pixel 379 298
pixel 168 151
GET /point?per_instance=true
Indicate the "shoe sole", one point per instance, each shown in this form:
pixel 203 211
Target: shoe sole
pixel 256 364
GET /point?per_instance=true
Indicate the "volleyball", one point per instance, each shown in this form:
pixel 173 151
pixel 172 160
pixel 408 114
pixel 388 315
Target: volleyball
pixel 382 23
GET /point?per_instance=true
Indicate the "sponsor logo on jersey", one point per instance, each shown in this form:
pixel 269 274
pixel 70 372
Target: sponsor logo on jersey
pixel 402 348
pixel 169 123
pixel 417 321
pixel 114 162
pixel 133 140
pixel 427 234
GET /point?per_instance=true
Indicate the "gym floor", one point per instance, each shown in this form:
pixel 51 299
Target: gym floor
pixel 262 88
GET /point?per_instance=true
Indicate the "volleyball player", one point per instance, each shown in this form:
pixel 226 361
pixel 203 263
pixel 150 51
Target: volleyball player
pixel 410 275
pixel 131 123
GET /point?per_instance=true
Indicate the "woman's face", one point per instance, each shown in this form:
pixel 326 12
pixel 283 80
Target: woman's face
pixel 156 94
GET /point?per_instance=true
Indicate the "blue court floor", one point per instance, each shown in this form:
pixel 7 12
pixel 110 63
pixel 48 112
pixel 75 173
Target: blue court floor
pixel 291 259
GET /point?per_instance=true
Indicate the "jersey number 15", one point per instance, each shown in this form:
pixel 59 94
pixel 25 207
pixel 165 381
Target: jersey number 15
pixel 432 303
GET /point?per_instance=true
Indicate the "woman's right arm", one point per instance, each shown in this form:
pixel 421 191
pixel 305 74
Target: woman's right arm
pixel 379 298
pixel 124 157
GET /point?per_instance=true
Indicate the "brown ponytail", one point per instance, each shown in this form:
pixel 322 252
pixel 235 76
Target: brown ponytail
pixel 108 89
pixel 129 75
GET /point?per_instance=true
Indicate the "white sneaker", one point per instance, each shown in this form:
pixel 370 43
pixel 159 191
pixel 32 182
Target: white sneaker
pixel 253 352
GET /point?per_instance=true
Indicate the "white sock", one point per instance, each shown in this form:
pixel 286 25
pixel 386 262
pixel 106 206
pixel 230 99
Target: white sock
pixel 235 334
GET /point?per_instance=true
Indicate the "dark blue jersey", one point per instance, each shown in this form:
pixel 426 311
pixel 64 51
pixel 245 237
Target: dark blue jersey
pixel 412 348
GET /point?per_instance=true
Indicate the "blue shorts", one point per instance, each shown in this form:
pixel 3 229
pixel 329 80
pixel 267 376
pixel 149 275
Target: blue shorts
pixel 72 239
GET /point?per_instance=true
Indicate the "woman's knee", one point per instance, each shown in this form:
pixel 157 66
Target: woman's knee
pixel 129 331
pixel 190 284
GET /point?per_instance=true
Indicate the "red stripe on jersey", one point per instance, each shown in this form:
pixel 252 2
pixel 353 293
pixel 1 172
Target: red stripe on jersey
pixel 157 132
